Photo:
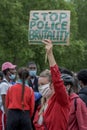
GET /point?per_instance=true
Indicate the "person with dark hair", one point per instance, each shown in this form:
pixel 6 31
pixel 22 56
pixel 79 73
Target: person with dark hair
pixel 20 103
pixel 78 109
pixel 53 112
pixel 8 70
pixel 33 82
pixel 33 79
pixel 82 81
pixel 65 71
pixel 82 77
pixel 68 82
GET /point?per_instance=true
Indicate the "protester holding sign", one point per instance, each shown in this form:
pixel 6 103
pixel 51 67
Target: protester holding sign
pixel 54 110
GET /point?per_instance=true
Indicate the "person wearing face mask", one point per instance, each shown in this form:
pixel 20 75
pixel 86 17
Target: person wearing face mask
pixel 13 76
pixel 33 79
pixel 33 82
pixel 8 72
pixel 53 112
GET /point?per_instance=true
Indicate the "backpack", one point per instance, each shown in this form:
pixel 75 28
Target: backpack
pixel 83 97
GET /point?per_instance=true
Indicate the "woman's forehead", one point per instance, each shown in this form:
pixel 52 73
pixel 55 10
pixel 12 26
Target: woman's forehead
pixel 43 79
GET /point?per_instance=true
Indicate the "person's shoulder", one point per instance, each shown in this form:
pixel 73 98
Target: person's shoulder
pixel 73 96
pixel 14 87
pixel 3 88
pixel 79 101
pixel 3 83
pixel 28 88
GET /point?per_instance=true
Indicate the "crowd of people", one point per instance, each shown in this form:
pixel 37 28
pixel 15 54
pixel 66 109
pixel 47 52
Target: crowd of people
pixel 56 99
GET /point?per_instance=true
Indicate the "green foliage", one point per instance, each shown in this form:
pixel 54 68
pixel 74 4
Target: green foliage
pixel 81 9
pixel 14 47
pixel 72 56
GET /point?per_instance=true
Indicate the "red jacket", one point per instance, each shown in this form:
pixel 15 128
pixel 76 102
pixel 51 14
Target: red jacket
pixel 56 114
pixel 13 98
pixel 78 117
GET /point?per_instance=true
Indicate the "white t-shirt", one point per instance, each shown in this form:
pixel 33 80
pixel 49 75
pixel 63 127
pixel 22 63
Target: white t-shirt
pixel 3 90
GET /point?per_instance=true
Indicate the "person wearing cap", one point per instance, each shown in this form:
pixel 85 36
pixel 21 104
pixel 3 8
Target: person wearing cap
pixel 8 70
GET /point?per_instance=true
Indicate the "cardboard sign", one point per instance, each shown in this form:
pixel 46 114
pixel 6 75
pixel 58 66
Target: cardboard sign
pixel 52 24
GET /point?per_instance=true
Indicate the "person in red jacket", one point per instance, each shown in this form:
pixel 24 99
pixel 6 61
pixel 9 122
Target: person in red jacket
pixel 54 110
pixel 20 103
pixel 78 103
pixel 69 84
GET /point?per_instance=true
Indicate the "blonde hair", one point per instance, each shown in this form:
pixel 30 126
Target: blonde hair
pixel 46 73
pixel 43 101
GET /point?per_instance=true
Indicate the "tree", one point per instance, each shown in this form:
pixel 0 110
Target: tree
pixel 81 9
pixel 14 45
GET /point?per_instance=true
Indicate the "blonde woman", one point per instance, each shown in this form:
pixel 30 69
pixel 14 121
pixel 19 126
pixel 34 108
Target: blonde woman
pixel 54 110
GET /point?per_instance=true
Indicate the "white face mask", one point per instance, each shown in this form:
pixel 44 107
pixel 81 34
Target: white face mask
pixel 45 90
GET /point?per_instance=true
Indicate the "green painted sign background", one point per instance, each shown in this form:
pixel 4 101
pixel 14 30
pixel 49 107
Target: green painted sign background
pixel 53 25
